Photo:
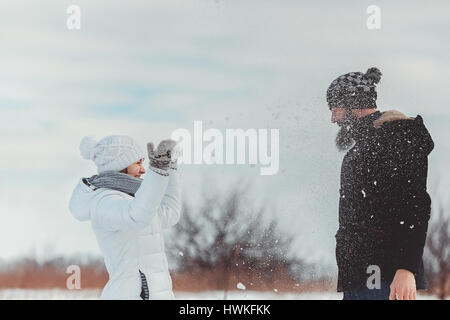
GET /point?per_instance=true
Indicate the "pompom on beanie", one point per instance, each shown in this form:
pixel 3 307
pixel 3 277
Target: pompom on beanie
pixel 111 153
pixel 354 90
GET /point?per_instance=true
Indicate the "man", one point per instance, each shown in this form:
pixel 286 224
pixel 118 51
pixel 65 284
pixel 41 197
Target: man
pixel 384 207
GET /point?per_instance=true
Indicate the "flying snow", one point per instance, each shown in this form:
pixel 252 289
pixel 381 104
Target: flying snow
pixel 240 286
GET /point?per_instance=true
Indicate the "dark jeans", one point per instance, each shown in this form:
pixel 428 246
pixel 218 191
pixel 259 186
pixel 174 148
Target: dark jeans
pixel 365 293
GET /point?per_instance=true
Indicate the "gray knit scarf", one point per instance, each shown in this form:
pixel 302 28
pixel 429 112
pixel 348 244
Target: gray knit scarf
pixel 114 180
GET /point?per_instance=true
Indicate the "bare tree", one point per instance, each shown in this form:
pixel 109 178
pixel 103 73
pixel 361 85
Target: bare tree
pixel 228 236
pixel 437 252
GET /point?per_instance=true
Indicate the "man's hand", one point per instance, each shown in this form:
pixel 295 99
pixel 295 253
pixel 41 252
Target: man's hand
pixel 403 286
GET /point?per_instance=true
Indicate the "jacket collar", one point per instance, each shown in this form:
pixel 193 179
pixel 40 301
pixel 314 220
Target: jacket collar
pixel 390 115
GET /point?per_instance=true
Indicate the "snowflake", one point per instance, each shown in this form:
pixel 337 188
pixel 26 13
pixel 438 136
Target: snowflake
pixel 240 286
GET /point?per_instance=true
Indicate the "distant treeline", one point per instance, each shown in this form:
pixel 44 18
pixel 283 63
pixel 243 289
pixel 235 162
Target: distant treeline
pixel 27 273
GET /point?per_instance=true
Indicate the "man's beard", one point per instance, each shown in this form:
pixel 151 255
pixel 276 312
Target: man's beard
pixel 344 138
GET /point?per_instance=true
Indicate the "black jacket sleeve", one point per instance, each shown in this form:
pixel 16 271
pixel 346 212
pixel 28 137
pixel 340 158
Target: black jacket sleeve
pixel 408 146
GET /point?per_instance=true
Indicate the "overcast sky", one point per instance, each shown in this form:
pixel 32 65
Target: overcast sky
pixel 146 68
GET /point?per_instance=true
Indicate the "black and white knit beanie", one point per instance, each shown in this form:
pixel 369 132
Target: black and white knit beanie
pixel 354 90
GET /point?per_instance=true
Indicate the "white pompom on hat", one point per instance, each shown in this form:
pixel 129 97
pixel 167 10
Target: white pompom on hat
pixel 87 145
pixel 111 153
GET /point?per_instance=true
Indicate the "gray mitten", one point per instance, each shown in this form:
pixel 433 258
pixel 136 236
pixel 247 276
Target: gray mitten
pixel 161 158
pixel 175 154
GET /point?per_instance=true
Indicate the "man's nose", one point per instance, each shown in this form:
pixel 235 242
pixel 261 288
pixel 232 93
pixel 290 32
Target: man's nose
pixel 142 170
pixel 337 115
pixel 333 117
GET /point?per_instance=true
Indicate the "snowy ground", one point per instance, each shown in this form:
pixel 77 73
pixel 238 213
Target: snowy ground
pixel 59 294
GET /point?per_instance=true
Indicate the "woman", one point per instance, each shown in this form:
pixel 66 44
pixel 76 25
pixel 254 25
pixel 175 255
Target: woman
pixel 128 213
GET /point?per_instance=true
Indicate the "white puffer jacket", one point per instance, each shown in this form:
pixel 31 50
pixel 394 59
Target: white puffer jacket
pixel 129 232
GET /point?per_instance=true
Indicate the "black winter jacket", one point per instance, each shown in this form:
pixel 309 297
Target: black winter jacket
pixel 384 206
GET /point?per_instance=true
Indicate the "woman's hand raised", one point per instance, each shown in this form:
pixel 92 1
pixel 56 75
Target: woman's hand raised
pixel 161 159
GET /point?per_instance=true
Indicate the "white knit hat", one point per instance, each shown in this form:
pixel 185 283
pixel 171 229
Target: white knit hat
pixel 111 153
